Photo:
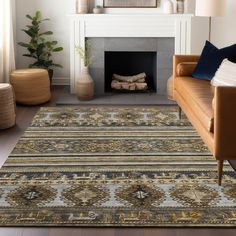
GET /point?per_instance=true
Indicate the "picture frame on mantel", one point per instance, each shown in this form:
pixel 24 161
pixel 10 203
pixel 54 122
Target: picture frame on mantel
pixel 131 3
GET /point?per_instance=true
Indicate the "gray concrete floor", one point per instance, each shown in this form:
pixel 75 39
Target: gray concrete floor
pixel 66 98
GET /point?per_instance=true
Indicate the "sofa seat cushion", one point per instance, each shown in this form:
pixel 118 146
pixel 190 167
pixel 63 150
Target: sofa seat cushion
pixel 198 95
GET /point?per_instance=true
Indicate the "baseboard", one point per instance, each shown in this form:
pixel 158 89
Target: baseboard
pixel 61 81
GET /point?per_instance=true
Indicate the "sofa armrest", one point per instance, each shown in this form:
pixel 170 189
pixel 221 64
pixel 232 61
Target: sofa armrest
pixel 177 59
pixel 225 123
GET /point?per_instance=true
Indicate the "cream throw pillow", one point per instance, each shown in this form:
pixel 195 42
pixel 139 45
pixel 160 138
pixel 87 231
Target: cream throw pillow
pixel 225 75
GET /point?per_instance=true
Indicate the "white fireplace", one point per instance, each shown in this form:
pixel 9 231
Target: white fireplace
pixel 177 26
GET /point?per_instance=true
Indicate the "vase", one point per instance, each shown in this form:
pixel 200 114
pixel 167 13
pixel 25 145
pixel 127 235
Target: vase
pixel 189 6
pixel 85 86
pixel 168 7
pixel 98 10
pixel 82 6
pixel 174 3
pixel 180 6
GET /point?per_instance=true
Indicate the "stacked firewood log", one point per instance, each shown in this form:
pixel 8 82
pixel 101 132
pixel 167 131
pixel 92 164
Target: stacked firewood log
pixel 132 83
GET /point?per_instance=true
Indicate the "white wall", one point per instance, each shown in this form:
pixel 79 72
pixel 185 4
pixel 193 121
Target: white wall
pixel 57 11
pixel 223 28
pixel 223 31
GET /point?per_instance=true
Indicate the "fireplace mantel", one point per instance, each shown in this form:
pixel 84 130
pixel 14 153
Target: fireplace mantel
pixel 178 26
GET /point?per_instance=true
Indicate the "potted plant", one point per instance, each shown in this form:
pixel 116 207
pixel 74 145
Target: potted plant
pixel 39 47
pixel 85 84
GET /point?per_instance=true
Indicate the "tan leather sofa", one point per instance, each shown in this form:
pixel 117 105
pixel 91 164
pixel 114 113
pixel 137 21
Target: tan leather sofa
pixel 212 111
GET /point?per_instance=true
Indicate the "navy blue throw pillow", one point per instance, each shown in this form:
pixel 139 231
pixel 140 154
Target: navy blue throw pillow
pixel 210 60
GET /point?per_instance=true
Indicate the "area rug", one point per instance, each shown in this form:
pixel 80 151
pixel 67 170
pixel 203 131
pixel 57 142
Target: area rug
pixel 117 167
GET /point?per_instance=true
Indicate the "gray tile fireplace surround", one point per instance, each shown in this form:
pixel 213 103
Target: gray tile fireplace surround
pixel 164 47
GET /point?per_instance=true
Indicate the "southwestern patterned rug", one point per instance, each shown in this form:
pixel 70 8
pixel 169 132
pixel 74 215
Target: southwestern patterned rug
pixel 135 167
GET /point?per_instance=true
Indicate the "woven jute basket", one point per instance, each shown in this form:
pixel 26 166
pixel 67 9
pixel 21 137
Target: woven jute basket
pixel 7 106
pixel 32 86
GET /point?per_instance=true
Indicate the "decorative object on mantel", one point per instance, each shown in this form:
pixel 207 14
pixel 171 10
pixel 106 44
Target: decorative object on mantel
pixel 174 2
pixel 210 8
pixel 98 9
pixel 85 84
pixel 131 83
pixel 180 6
pixel 168 7
pixel 130 3
pixel 39 48
pixel 82 6
pixel 189 6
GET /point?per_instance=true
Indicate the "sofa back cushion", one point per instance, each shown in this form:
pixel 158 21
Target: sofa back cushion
pixel 225 75
pixel 210 60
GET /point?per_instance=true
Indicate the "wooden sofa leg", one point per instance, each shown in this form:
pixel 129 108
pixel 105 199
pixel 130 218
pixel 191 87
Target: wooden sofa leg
pixel 220 164
pixel 180 113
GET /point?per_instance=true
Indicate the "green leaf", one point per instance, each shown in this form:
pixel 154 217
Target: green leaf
pixel 33 44
pixel 30 26
pixel 54 42
pixel 25 45
pixel 37 65
pixel 35 22
pixel 40 49
pixel 42 39
pixel 46 33
pixel 29 17
pixel 59 49
pixel 31 50
pixel 38 15
pixel 48 63
pixel 29 55
pixel 29 32
pixel 49 43
pixel 57 65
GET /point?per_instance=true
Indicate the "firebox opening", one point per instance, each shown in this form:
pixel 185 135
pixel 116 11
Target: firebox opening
pixel 130 71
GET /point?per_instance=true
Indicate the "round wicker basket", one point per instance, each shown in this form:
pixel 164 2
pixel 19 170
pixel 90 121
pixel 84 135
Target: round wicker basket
pixel 7 106
pixel 32 86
